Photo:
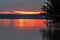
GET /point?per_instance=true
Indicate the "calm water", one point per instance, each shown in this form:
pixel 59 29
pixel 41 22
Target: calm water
pixel 21 29
pixel 23 23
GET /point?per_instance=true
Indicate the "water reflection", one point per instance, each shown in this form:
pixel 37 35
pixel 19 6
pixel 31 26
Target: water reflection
pixel 4 22
pixel 23 23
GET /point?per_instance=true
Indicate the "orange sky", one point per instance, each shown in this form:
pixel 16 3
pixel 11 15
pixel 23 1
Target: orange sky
pixel 5 12
pixel 21 12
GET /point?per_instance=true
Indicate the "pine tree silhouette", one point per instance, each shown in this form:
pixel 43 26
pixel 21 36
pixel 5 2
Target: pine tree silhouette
pixel 52 8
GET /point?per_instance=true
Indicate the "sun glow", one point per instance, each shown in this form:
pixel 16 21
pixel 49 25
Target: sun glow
pixel 26 12
pixel 22 12
pixel 5 12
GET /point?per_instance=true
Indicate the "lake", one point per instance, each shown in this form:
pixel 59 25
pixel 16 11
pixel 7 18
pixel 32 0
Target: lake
pixel 21 29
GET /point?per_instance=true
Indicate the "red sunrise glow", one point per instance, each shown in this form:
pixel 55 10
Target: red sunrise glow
pixel 26 12
pixel 5 12
pixel 29 12
pixel 22 12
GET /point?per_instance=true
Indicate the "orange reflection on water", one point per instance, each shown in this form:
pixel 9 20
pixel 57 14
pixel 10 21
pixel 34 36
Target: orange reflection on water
pixel 30 23
pixel 4 22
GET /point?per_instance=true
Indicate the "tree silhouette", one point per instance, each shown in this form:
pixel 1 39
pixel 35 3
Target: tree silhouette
pixel 53 11
pixel 52 8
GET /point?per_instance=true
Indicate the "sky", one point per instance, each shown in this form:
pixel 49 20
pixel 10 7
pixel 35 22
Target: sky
pixel 13 34
pixel 31 5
